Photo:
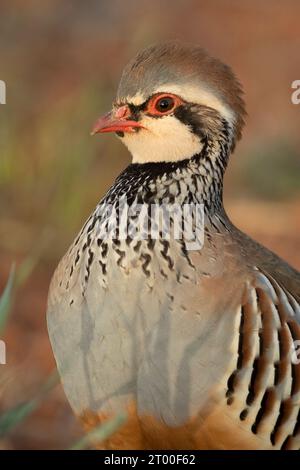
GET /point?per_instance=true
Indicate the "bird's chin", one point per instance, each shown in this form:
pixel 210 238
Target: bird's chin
pixel 132 131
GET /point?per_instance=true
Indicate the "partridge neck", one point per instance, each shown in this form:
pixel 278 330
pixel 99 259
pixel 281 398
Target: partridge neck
pixel 195 180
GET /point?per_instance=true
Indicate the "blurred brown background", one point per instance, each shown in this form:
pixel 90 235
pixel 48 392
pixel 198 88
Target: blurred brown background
pixel 61 61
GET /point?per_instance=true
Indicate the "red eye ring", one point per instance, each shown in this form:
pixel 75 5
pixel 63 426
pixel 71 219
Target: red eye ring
pixel 162 104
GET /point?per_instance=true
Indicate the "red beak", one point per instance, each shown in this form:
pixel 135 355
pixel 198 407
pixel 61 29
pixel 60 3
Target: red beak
pixel 116 121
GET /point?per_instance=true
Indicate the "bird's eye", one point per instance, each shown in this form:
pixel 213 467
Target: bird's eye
pixel 164 104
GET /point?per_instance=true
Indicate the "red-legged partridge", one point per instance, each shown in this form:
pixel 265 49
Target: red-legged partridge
pixel 198 346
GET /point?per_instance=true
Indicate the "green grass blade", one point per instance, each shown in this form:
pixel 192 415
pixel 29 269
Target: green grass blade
pixel 11 418
pixel 100 433
pixel 25 269
pixel 6 298
pixel 51 382
pixel 16 279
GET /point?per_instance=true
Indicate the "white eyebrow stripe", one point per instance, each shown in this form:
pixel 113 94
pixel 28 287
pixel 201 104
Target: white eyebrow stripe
pixel 191 94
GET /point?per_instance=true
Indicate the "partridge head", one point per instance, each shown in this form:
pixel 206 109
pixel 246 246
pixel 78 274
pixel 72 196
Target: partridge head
pixel 172 98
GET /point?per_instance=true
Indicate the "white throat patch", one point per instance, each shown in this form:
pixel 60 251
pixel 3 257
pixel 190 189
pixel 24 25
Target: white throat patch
pixel 163 139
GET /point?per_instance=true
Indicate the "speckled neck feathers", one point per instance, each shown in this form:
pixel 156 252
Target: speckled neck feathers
pixel 195 180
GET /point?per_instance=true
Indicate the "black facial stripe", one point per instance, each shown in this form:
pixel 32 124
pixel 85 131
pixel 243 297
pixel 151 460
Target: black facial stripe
pixel 136 109
pixel 188 116
pixel 135 112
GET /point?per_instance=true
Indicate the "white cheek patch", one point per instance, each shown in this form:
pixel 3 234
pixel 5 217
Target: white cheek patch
pixel 201 96
pixel 163 139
